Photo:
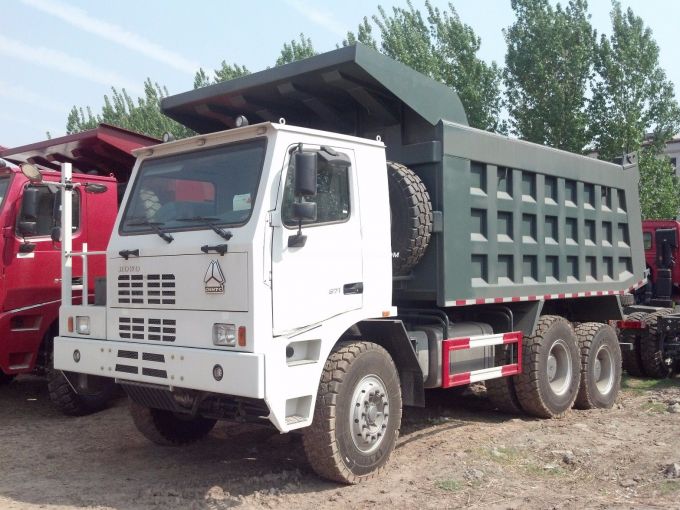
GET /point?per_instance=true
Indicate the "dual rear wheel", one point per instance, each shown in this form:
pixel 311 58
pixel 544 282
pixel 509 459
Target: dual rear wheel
pixel 564 367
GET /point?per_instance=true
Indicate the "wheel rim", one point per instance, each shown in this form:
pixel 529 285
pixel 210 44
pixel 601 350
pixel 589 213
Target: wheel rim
pixel 559 367
pixel 603 370
pixel 370 413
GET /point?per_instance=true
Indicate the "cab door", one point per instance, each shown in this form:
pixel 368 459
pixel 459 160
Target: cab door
pixel 33 274
pixel 320 277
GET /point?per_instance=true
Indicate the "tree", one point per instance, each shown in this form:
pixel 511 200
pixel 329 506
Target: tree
pixel 364 35
pixel 296 50
pixel 631 94
pixel 659 186
pixel 443 47
pixel 549 64
pixel 143 116
pixel 224 73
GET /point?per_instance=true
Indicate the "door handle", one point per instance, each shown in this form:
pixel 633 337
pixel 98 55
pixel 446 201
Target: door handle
pixel 353 288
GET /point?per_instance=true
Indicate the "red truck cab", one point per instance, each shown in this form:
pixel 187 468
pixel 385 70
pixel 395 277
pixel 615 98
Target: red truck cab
pixel 660 239
pixel 30 260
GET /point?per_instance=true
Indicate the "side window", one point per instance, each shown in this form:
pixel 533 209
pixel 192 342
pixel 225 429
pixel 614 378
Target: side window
pixel 647 240
pixel 47 213
pixel 332 194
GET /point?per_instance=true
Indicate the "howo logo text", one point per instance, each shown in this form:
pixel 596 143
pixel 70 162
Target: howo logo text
pixel 214 279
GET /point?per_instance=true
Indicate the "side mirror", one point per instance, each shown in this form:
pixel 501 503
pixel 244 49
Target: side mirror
pixel 305 174
pixel 31 173
pixel 55 234
pixel 304 211
pixel 29 204
pixel 92 187
pixel 27 228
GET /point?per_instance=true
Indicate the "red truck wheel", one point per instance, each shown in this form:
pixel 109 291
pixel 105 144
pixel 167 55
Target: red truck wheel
pixel 651 355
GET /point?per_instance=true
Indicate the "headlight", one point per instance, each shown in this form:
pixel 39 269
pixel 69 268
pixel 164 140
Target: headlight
pixel 83 325
pixel 224 334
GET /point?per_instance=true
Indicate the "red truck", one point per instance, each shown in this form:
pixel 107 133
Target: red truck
pixel 651 329
pixel 30 262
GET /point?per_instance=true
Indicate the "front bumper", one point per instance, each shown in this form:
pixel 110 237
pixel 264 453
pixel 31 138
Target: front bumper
pixel 163 365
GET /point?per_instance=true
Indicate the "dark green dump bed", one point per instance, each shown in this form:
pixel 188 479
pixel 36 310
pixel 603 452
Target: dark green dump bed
pixel 514 220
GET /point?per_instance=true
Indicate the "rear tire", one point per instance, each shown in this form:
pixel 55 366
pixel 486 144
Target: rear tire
pixel 166 428
pixel 357 414
pixel 549 381
pixel 632 360
pixel 650 353
pixel 600 366
pixel 502 395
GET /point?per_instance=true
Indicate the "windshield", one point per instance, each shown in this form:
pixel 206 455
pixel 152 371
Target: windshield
pixel 195 190
pixel 4 184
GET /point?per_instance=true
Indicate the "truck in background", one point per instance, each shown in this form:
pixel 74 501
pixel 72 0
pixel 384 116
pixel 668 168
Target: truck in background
pixel 651 329
pixel 322 271
pixel 30 282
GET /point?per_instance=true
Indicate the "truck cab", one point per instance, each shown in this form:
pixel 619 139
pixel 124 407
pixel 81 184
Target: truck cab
pixel 661 244
pixel 30 262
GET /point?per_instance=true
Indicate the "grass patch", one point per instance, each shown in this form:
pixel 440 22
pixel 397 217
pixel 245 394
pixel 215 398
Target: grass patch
pixel 503 455
pixel 653 407
pixel 669 486
pixel 642 385
pixel 539 470
pixel 449 485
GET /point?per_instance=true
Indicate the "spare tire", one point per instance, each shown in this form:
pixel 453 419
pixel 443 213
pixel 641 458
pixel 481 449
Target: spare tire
pixel 411 218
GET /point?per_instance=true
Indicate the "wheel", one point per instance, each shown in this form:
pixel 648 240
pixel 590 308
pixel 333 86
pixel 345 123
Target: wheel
pixel 651 355
pixel 632 361
pixel 71 403
pixel 5 378
pixel 411 217
pixel 501 391
pixel 357 414
pixel 549 381
pixel 600 366
pixel 166 428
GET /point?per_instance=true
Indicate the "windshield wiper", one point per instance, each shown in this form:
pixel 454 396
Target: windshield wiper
pixel 155 226
pixel 209 222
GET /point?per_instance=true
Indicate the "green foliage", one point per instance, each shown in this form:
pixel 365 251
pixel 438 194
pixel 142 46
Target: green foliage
pixel 443 47
pixel 659 186
pixel 143 116
pixel 296 50
pixel 364 35
pixel 224 73
pixel 631 95
pixel 548 67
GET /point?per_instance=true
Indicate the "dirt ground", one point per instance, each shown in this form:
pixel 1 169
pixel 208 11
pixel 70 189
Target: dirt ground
pixel 454 453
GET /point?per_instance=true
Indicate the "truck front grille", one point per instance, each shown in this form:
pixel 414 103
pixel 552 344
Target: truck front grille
pixel 155 370
pixel 140 328
pixel 146 289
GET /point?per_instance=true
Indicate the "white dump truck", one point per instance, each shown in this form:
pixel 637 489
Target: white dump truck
pixel 322 271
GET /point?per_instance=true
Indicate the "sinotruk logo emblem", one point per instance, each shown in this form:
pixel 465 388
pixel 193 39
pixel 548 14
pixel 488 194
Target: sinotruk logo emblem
pixel 214 279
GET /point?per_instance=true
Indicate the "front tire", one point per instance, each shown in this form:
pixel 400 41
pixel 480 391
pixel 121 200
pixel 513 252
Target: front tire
pixel 357 414
pixel 650 354
pixel 600 366
pixel 166 428
pixel 70 403
pixel 549 381
pixel 5 378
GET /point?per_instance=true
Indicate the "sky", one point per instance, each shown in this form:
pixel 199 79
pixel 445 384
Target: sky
pixel 56 54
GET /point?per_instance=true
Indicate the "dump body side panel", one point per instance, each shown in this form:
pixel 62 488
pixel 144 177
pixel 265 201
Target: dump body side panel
pixel 522 220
